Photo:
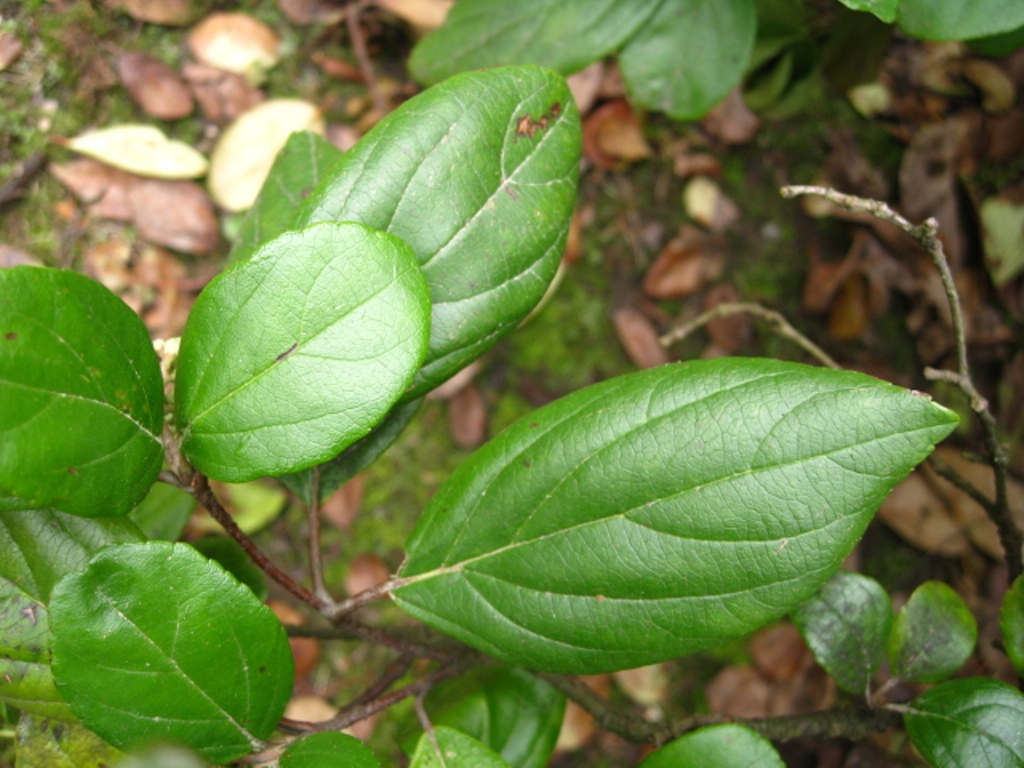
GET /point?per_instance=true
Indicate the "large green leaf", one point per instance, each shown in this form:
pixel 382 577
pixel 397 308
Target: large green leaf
pixel 81 398
pixel 509 710
pixel 153 642
pixel 45 743
pixel 1011 622
pixel 883 9
pixel 970 722
pixel 164 513
pixel 478 176
pixel 37 549
pixel 293 355
pixel 721 746
pixel 846 625
pixel 932 636
pixel 959 19
pixel 448 748
pixel 302 162
pixel 662 512
pixel 328 750
pixel 565 35
pixel 689 55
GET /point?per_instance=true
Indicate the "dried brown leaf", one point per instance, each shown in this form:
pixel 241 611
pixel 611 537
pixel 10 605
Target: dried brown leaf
pixel 920 516
pixel 425 15
pixel 685 265
pixel 109 262
pixel 732 121
pixel 310 709
pixel 177 214
pixel 779 652
pixel 706 203
pixel 174 13
pixel 10 49
pixel 107 191
pixel 343 505
pixel 613 136
pixel 740 692
pixel 648 685
pixel 235 42
pixel 998 91
pixel 849 313
pixel 312 11
pixel 467 417
pixel 732 332
pixel 222 96
pixel 365 572
pixel 585 85
pixel 639 338
pixel 154 86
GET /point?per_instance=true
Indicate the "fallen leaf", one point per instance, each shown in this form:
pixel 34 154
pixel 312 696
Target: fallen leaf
pixel 779 652
pixel 729 333
pixel 222 96
pixel 177 214
pixel 10 49
pixel 305 650
pixel 849 313
pixel 638 338
pixel 312 11
pixel 707 205
pixel 920 516
pixel 342 135
pixel 732 121
pixel 365 572
pixel 1002 225
pixel 310 709
pixel 467 417
pixel 648 685
pixel 738 691
pixel 870 99
pixel 106 191
pixel 235 42
pixel 456 383
pixel 140 149
pixel 108 262
pixel 578 727
pixel 998 91
pixel 339 68
pixel 425 15
pixel 613 136
pixel 154 86
pixel 685 265
pixel 174 13
pixel 342 507
pixel 585 86
pixel 242 158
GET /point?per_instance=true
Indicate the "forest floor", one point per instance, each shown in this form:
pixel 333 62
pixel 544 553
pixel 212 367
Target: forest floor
pixel 672 219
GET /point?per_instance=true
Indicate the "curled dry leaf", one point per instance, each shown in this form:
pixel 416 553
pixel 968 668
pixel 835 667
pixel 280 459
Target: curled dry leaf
pixel 425 15
pixel 365 572
pixel 638 338
pixel 237 43
pixel 467 417
pixel 10 49
pixel 223 96
pixel 305 650
pixel 732 121
pixel 585 85
pixel 685 265
pixel 312 11
pixel 154 86
pixel 706 203
pixel 246 150
pixel 140 149
pixel 175 13
pixel 613 136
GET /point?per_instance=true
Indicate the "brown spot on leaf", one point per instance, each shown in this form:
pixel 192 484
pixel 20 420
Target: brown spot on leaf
pixel 528 127
pixel 287 353
pixel 72 471
pixel 11 336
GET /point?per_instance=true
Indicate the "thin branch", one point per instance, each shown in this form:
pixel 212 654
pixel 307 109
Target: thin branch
pixel 339 610
pixel 23 173
pixel 927 236
pixel 316 562
pixel 779 324
pixel 358 39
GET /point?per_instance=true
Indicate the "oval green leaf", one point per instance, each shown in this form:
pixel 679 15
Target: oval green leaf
pixel 883 9
pixel 507 709
pixel 164 513
pixel 153 642
pixel 968 722
pixel 847 625
pixel 689 56
pixel 37 549
pixel 448 748
pixel 233 559
pixel 293 355
pixel 46 743
pixel 81 397
pixel 1011 623
pixel 951 20
pixel 606 530
pixel 932 636
pixel 328 750
pixel 565 35
pixel 478 175
pixel 723 746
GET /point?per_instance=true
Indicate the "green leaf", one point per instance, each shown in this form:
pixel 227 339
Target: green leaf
pixel 690 55
pixel 1011 623
pixel 1002 44
pixel 288 358
pixel 478 175
pixel 1002 223
pixel 952 20
pixel 565 35
pixel 932 636
pixel 153 642
pixel 81 398
pixel 453 749
pixel 45 743
pixel 354 459
pixel 883 9
pixel 328 750
pixel 607 530
pixel 37 549
pixel 968 722
pixel 505 708
pixel 723 746
pixel 233 559
pixel 164 513
pixel 303 161
pixel 847 625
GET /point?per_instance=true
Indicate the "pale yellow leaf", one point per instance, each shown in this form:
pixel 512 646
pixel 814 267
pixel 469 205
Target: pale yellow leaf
pixel 140 149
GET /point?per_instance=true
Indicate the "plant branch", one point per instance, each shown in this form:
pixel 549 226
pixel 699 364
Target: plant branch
pixel 358 39
pixel 778 322
pixel 316 563
pixel 927 236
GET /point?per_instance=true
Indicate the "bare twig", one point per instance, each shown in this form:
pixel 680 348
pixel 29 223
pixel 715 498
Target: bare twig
pixel 927 236
pixel 11 186
pixel 778 322
pixel 358 39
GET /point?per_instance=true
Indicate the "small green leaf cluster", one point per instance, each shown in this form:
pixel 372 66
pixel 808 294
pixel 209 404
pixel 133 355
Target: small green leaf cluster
pixel 634 521
pixel 850 628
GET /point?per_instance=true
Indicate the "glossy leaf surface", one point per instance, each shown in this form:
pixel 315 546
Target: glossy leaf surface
pixel 565 35
pixel 1011 623
pixel 293 355
pixel 478 175
pixel 81 397
pixel 689 56
pixel 932 20
pixel 299 166
pixel 883 9
pixel 932 636
pixel 153 642
pixel 969 722
pixel 37 549
pixel 660 513
pixel 233 559
pixel 453 749
pixel 846 625
pixel 723 746
pixel 328 750
pixel 45 743
pixel 505 708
